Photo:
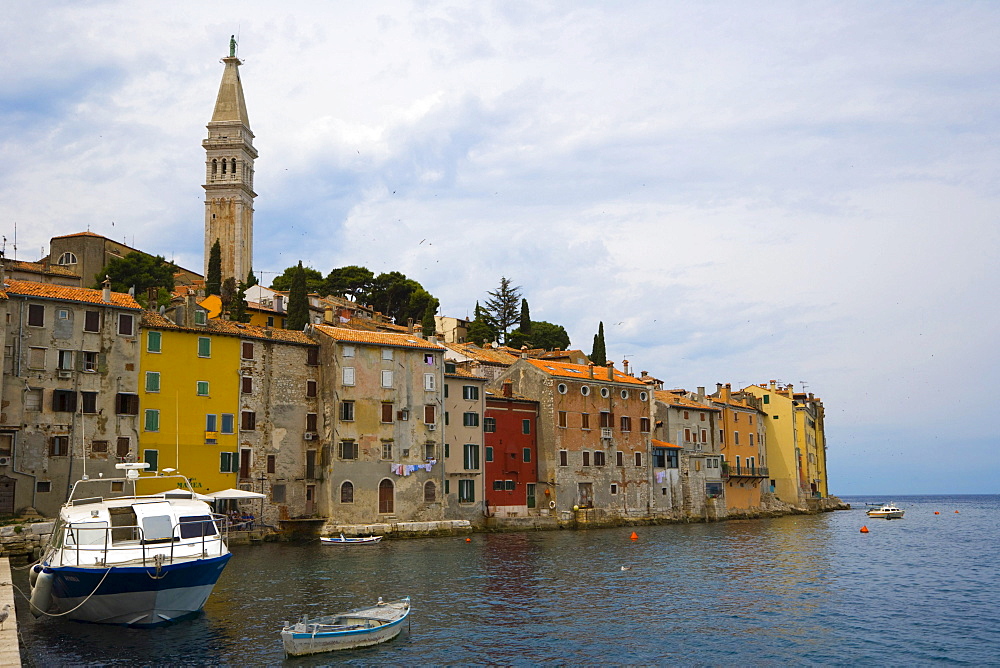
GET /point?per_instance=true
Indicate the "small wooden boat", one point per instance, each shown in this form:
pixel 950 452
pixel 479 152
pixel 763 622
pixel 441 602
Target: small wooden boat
pixel 887 510
pixel 346 630
pixel 343 540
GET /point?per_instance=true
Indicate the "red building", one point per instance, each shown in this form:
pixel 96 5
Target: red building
pixel 510 440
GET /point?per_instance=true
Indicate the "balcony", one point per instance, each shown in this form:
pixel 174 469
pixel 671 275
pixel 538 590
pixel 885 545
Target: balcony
pixel 729 471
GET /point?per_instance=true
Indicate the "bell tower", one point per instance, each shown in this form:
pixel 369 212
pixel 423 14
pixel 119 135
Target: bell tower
pixel 229 156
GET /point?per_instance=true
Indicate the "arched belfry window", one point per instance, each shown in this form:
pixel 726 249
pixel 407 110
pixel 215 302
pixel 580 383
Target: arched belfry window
pixel 225 163
pixel 234 166
pixel 215 167
pixel 66 258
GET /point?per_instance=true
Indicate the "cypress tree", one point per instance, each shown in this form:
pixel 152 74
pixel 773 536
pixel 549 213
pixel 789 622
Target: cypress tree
pixel 213 282
pixel 525 325
pixel 428 323
pixel 298 301
pixel 599 355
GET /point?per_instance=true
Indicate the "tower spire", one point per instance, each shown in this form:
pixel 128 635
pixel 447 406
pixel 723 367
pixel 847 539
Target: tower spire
pixel 229 170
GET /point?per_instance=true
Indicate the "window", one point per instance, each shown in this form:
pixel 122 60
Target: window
pixel 33 400
pixel 562 388
pixel 152 381
pixel 702 416
pixel 638 459
pixel 526 454
pixel 152 420
pixel 246 384
pixel 429 415
pixel 248 420
pixel 470 458
pixel 67 258
pixel 90 361
pixel 562 418
pixel 348 450
pixel 126 324
pixel 204 346
pixel 525 426
pixel 36 315
pixel 614 489
pixel 470 392
pixel 99 447
pixel 387 450
pixel 704 436
pixel 271 461
pixel 606 419
pixel 277 494
pixel 89 402
pixel 36 358
pixel 58 446
pixel 643 396
pixel 498 485
pixel 347 492
pixel 64 401
pixel 429 359
pixel 672 459
pixel 563 458
pixel 584 420
pixel 586 458
pixel 387 354
pixel 229 424
pixel 229 462
pixel 626 422
pixel 246 350
pixel 62 314
pixel 585 390
pixel 347 411
pixel 600 459
pixel 123 447
pixel 429 382
pixel 489 453
pixel 151 457
pixel 64 360
pixel 348 375
pixel 751 440
pixel 387 411
pixel 312 355
pixel 767 398
pixel 310 388
pixel 202 388
pixel 644 425
pixel 211 422
pixel 92 321
pixel 466 491
pixel 687 435
pixel 619 458
pixel 386 379
pixel 430 492
pixel 43 486
pixel 736 438
pixel 605 392
pixel 489 425
pixel 470 419
pixel 624 394
pixel 312 420
pixel 347 351
pixel 154 342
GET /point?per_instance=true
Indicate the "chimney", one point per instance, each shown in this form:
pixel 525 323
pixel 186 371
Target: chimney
pixel 524 352
pixel 433 339
pixel 718 389
pixel 701 391
pixel 771 385
pixel 179 319
pixel 727 391
pixel 625 366
pixel 279 303
pixel 611 370
pixel 508 388
pixel 106 292
pixel 409 325
pixel 590 369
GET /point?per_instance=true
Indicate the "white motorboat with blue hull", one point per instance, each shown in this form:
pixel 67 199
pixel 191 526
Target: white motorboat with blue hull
pixel 136 560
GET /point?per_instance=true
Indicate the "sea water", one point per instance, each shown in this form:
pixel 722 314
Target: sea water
pixel 797 590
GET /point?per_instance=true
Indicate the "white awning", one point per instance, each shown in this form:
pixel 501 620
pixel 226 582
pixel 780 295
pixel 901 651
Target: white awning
pixel 236 494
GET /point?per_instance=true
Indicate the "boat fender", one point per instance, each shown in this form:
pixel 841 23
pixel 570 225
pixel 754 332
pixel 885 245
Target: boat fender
pixel 41 593
pixel 552 504
pixel 33 575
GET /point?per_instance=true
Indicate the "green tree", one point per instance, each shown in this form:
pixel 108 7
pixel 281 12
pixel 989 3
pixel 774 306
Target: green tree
pixel 525 325
pixel 238 309
pixel 298 300
pixel 480 331
pixel 251 280
pixel 502 306
pixel 213 281
pixel 427 323
pixel 391 295
pixel 543 335
pixel 140 271
pixel 599 355
pixel 353 281
pixel 314 279
pixel 228 294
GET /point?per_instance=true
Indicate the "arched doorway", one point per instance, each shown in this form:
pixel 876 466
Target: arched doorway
pixel 385 494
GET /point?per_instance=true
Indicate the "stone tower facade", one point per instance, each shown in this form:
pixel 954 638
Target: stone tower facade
pixel 229 195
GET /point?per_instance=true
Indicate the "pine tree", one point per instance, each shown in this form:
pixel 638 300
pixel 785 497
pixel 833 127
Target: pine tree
pixel 238 309
pixel 599 355
pixel 213 282
pixel 298 301
pixel 502 306
pixel 525 326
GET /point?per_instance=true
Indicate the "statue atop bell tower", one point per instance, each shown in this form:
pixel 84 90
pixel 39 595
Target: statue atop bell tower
pixel 229 156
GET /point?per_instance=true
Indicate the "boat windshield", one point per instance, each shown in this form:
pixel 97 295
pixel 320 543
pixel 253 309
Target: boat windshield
pixel 197 526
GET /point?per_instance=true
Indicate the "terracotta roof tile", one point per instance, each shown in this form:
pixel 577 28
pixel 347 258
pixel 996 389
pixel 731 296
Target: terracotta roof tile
pixel 483 355
pixel 377 338
pixel 582 372
pixel 672 398
pixel 229 328
pixel 38 268
pixel 66 293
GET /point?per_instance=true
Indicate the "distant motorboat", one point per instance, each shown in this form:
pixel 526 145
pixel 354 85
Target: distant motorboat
pixel 887 510
pixel 343 540
pixel 346 630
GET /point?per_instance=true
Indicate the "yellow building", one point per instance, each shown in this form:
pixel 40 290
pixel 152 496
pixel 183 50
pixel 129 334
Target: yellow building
pixel 189 384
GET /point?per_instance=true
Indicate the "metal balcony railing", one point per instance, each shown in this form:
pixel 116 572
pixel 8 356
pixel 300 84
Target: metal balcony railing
pixel 729 471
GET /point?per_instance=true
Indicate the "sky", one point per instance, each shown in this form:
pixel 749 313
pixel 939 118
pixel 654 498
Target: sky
pixel 740 191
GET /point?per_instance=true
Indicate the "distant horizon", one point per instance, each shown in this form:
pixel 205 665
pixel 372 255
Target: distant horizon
pixel 910 494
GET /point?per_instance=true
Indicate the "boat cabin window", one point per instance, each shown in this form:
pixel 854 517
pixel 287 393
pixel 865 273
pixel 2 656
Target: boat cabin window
pixel 196 526
pixel 123 524
pixel 86 533
pixel 157 527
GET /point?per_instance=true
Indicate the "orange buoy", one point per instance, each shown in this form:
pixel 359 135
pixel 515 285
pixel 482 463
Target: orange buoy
pixel 936 512
pixel 635 536
pixel 864 529
pixel 956 512
pixel 468 540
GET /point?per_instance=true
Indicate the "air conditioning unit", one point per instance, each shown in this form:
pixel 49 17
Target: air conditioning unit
pixel 432 427
pixel 310 436
pixel 4 461
pixel 605 432
pixel 65 373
